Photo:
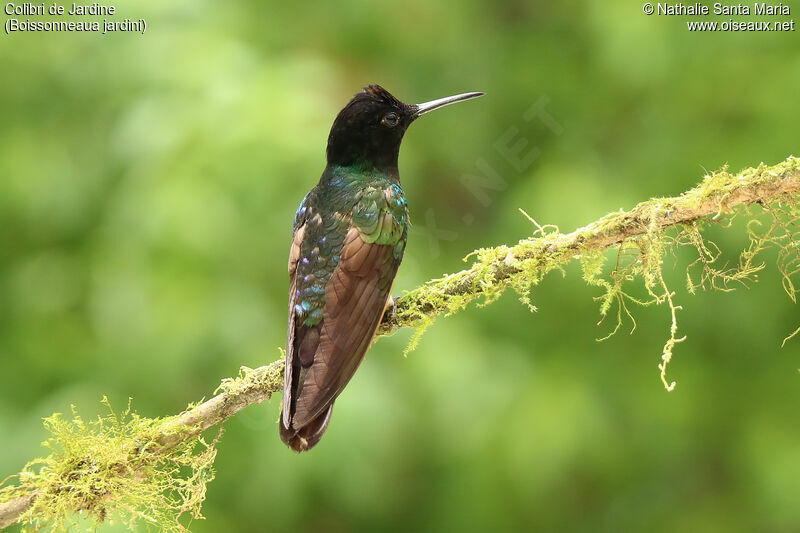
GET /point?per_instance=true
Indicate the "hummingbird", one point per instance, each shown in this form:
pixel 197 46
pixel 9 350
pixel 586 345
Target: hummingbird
pixel 349 237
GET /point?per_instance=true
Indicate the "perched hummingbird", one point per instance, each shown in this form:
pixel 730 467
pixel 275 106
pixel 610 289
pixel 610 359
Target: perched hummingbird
pixel 349 236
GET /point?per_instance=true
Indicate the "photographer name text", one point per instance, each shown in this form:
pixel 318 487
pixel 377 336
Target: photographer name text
pixel 758 9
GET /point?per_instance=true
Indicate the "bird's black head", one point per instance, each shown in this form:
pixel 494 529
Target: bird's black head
pixel 370 128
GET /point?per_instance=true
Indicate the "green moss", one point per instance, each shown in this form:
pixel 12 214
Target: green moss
pixel 107 469
pixel 266 378
pixel 641 239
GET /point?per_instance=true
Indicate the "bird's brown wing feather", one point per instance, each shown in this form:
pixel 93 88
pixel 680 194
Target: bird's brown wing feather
pixel 355 298
pixel 294 256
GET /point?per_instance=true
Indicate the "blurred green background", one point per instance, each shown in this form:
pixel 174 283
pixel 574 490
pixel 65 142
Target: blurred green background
pixel 147 189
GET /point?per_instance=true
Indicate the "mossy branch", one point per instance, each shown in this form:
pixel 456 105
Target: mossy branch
pixel 155 470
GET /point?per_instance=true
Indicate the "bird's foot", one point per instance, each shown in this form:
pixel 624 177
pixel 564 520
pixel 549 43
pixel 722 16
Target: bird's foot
pixel 391 309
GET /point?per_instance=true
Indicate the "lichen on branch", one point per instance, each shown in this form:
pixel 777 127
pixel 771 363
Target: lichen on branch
pixel 640 237
pixel 154 471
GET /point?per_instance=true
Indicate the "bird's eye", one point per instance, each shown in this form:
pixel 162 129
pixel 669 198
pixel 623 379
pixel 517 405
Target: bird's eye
pixel 390 120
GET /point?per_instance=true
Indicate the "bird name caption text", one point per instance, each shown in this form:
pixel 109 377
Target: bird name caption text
pixel 773 17
pixel 99 18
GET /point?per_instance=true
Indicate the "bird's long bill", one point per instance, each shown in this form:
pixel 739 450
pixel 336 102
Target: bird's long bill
pixel 426 107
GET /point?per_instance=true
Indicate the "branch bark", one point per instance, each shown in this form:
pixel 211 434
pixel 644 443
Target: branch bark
pixel 718 193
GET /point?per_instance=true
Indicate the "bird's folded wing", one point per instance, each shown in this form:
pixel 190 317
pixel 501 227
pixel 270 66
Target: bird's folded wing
pixel 355 297
pixel 294 256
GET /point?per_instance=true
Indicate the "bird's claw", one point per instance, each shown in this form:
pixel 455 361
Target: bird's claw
pixel 391 308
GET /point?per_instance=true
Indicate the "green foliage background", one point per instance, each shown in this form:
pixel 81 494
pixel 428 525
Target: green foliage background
pixel 147 188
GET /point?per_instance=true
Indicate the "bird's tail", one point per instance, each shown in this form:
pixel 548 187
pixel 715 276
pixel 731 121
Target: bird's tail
pixel 306 437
